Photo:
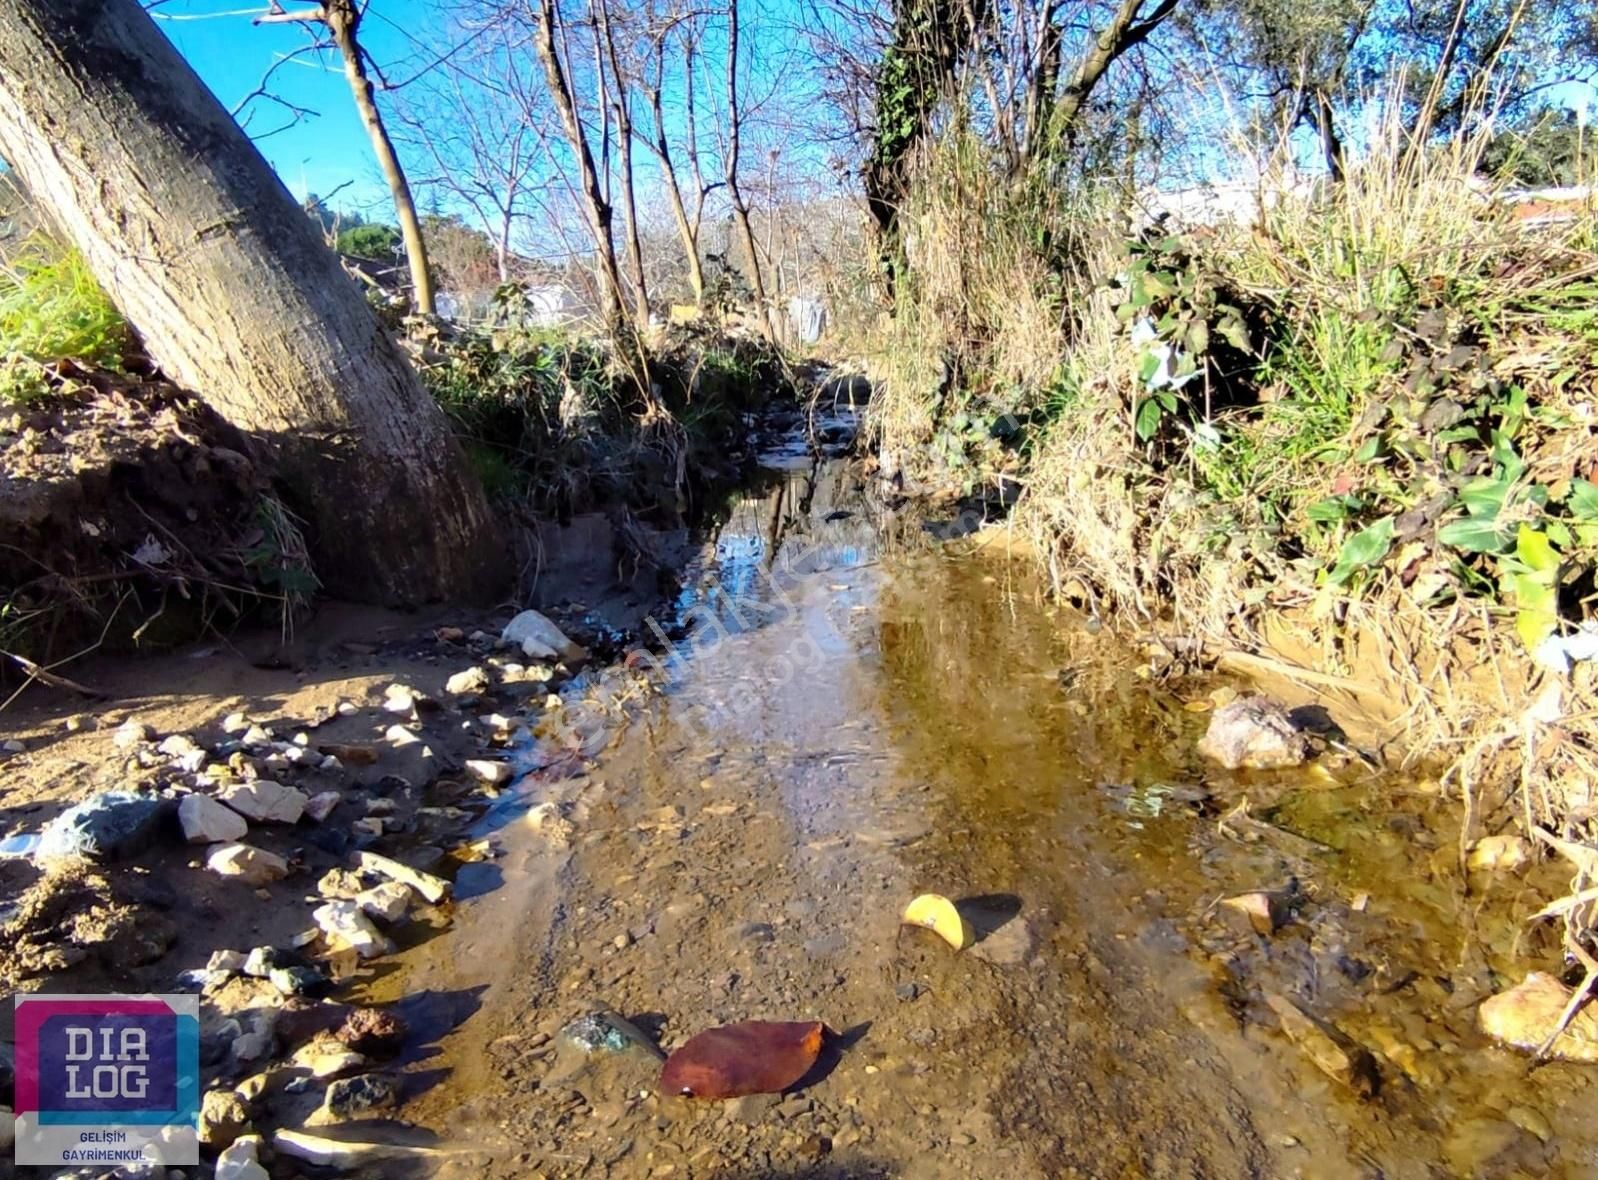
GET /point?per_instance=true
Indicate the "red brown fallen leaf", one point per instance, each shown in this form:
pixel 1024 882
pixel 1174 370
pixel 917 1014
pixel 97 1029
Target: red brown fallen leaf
pixel 752 1057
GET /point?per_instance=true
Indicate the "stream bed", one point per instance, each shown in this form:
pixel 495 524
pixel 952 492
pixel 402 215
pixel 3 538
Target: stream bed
pixel 842 724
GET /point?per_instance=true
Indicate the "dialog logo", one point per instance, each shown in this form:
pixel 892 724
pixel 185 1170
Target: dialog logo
pixel 107 1079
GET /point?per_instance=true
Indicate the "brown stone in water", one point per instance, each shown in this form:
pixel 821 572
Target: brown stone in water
pixel 1527 1014
pixel 1254 732
pixel 754 1057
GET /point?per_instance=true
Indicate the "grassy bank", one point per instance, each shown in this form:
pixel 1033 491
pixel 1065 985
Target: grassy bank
pixel 1352 432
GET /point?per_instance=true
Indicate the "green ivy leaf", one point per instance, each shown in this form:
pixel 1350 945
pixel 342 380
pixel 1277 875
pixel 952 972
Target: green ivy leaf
pixel 1537 554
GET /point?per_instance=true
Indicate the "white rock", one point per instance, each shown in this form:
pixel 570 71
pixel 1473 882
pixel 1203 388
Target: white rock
pixel 388 902
pixel 238 1160
pixel 257 736
pixel 434 889
pixel 235 723
pixel 230 962
pixel 344 923
pixel 487 771
pixel 368 825
pixel 401 736
pixel 398 698
pixel 205 821
pixel 539 639
pixel 253 866
pixel 131 733
pixel 347 1153
pixel 347 709
pixel 471 682
pixel 266 802
pixel 321 805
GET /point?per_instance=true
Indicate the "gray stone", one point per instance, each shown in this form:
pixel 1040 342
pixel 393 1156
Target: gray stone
pixel 112 825
pixel 296 980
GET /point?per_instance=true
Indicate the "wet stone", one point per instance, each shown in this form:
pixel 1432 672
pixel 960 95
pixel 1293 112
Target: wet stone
pixel 1254 732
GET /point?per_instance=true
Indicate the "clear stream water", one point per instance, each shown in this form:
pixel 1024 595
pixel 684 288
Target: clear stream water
pixel 854 716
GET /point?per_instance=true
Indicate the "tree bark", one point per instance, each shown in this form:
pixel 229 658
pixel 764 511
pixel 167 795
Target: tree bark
pixel 209 257
pixel 343 19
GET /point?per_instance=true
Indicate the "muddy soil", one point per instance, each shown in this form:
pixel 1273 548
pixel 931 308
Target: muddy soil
pixel 127 506
pixel 840 713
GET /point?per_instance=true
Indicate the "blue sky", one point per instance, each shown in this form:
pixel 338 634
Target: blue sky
pixel 322 152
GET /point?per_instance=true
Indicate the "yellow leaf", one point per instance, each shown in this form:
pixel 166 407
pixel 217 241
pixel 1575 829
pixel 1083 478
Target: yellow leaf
pixel 934 912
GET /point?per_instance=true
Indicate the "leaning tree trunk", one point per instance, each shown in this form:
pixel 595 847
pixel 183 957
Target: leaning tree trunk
pixel 210 258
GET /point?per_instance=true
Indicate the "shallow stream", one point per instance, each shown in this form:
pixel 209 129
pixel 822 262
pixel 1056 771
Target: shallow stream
pixel 846 724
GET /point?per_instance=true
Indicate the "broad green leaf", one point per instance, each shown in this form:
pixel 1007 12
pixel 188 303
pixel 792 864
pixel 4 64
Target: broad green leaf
pixel 1484 497
pixel 1474 534
pixel 1333 509
pixel 1148 418
pixel 1368 450
pixel 1537 613
pixel 1234 333
pixel 1148 366
pixel 1159 284
pixel 1365 548
pixel 1583 500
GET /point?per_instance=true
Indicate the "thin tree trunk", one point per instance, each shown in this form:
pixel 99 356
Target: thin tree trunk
pixel 597 207
pixel 622 105
pixel 660 145
pixel 343 20
pixel 1331 142
pixel 235 294
pixel 740 207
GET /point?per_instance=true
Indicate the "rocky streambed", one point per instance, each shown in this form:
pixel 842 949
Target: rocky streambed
pixel 514 883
